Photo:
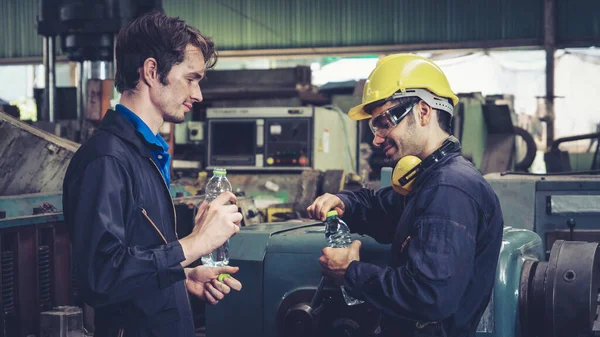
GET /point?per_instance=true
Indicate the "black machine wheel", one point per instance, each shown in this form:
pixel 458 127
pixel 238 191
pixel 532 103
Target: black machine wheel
pixel 559 298
pixel 524 164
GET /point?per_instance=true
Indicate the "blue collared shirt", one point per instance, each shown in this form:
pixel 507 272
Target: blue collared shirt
pixel 154 142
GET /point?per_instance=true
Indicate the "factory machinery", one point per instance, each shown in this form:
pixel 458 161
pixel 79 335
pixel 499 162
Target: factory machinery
pixel 546 283
pixel 547 280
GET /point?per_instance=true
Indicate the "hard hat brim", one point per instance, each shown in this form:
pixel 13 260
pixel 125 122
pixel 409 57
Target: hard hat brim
pixel 358 113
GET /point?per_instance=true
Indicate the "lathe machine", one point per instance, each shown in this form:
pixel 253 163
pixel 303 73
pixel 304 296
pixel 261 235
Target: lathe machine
pixel 546 283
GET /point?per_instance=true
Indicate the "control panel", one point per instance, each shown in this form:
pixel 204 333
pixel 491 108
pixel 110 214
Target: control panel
pixel 288 142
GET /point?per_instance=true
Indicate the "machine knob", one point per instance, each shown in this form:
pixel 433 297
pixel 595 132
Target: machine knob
pixel 300 321
pixel 303 161
pixel 270 161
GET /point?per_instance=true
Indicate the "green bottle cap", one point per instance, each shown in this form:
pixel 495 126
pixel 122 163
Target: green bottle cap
pixel 223 276
pixel 219 171
pixel 332 214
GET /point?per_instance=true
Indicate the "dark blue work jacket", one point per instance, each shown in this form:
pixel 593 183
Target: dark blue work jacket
pixel 446 236
pixel 122 224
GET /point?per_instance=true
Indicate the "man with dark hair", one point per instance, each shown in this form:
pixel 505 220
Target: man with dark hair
pixel 441 217
pixel 131 266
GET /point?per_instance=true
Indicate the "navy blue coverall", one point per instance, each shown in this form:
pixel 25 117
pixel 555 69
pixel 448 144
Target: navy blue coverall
pixel 122 224
pixel 446 236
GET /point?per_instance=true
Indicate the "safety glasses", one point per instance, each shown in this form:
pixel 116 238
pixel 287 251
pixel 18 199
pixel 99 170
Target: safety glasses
pixel 382 124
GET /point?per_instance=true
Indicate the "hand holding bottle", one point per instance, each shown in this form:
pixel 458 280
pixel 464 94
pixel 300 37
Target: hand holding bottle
pixel 340 253
pixel 323 204
pixel 217 222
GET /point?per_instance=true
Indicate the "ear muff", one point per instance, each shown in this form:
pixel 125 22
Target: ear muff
pixel 410 167
pixel 404 173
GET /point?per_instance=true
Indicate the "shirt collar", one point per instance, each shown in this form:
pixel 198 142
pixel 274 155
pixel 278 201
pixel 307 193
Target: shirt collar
pixel 142 128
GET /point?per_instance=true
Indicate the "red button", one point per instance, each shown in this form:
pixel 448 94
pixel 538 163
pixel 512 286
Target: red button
pixel 303 161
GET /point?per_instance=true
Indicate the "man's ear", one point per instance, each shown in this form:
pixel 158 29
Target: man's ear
pixel 425 113
pixel 149 72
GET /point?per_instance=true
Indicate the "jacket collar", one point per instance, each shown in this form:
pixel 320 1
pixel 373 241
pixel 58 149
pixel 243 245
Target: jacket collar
pixel 151 139
pixel 419 181
pixel 118 125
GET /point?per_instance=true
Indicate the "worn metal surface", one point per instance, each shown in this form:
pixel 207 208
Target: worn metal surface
pixel 29 204
pixel 31 160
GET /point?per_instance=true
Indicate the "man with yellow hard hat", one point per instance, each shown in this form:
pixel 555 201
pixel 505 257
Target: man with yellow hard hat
pixel 442 218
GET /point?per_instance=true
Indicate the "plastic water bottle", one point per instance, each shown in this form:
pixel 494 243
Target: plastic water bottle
pixel 337 234
pixel 217 184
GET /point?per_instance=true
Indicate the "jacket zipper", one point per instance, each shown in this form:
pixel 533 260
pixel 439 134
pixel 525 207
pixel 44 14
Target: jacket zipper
pixel 407 240
pixel 175 217
pixel 169 193
pixel 152 222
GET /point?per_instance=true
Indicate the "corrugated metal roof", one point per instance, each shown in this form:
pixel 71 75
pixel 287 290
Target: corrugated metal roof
pixel 577 19
pixel 18 29
pixel 278 24
pixel 263 24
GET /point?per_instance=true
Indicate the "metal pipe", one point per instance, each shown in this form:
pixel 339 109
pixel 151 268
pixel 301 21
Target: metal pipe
pixel 550 47
pixel 393 48
pixel 52 72
pixel 95 70
pixel 50 79
pixel 85 69
pixel 556 143
pixel 101 70
pixel 43 114
pixel 80 107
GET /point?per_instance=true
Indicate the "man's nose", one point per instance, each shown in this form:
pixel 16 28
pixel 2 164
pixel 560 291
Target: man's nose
pixel 197 94
pixel 378 140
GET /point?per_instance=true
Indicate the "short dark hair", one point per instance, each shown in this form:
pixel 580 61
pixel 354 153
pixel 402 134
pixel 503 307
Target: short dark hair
pixel 445 121
pixel 161 37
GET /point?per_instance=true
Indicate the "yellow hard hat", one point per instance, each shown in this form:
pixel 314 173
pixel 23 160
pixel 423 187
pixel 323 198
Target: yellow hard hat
pixel 397 73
